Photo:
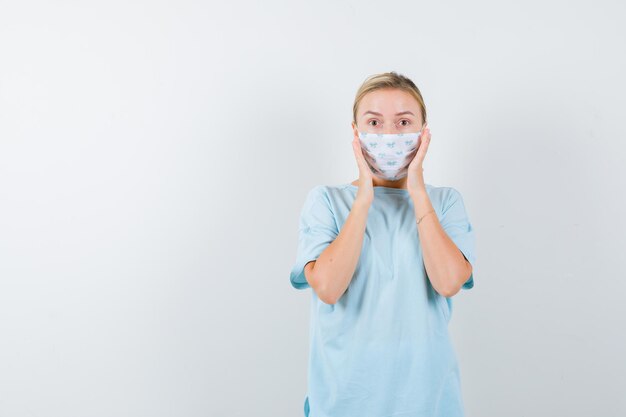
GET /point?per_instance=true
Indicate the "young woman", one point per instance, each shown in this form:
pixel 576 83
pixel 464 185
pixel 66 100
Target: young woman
pixel 383 256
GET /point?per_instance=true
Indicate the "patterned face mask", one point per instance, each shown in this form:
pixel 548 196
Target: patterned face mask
pixel 389 155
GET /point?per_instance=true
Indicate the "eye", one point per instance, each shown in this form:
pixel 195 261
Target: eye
pixel 405 120
pixel 373 120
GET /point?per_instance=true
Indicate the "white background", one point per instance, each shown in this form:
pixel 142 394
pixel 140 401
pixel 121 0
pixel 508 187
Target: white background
pixel 154 158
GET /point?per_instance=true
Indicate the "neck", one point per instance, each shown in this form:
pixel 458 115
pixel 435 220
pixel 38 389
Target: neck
pixel 401 183
pixel 377 182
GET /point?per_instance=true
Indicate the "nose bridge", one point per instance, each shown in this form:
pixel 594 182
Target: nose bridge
pixel 390 128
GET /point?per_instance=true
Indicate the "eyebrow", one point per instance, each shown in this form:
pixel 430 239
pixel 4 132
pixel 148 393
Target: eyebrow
pixel 397 114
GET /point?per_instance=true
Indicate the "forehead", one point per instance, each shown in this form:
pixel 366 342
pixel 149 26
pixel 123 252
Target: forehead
pixel 388 101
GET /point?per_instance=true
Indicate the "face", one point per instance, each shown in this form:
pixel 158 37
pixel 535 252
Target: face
pixel 388 110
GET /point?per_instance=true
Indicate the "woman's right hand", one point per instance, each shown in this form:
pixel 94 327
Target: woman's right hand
pixel 365 193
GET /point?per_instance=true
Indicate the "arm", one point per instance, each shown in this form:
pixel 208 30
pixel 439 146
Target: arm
pixel 445 264
pixel 331 273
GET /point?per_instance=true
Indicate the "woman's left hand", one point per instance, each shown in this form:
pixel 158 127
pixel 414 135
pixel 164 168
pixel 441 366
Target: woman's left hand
pixel 415 175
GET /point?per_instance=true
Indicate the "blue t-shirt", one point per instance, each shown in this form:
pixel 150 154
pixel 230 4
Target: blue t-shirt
pixel 383 349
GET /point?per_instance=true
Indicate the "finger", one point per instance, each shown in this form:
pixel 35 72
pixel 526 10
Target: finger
pixel 415 159
pixel 422 135
pixel 423 146
pixel 358 152
pixel 421 149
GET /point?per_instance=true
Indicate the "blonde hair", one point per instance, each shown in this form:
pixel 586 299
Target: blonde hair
pixel 388 80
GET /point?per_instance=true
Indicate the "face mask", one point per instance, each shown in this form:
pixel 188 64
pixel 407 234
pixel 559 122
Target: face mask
pixel 389 155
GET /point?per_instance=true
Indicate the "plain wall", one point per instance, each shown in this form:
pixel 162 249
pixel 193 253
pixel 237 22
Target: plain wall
pixel 154 158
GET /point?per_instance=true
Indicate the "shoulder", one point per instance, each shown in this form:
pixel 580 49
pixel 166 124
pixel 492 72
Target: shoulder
pixel 317 193
pixel 442 194
pixel 318 198
pixel 328 193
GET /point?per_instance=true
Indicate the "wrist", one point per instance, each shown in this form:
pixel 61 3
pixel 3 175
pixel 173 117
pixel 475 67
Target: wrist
pixel 420 218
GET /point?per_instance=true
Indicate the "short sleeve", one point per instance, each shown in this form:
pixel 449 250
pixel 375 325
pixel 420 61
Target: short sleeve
pixel 317 230
pixel 455 221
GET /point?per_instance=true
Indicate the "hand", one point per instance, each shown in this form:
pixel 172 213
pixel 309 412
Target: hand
pixel 365 193
pixel 415 174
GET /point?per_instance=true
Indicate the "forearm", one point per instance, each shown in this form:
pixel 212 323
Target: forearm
pixel 334 268
pixel 445 265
